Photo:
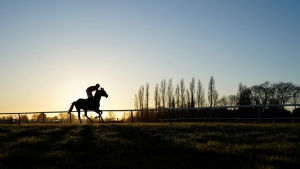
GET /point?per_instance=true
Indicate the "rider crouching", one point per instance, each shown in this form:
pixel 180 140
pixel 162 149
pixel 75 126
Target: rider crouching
pixel 89 91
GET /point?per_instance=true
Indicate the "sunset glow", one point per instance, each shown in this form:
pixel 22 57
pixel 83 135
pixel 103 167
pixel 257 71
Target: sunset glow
pixel 51 51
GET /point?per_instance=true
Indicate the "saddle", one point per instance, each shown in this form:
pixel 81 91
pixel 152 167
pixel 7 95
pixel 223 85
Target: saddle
pixel 90 102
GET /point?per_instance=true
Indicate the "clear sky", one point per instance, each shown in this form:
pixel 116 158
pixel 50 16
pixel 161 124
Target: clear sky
pixel 51 51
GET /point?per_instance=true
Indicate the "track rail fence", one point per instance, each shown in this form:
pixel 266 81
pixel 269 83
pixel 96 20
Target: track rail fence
pixel 169 110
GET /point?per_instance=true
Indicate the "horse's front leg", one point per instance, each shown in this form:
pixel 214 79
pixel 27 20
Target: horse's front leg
pixel 99 112
pixel 100 115
pixel 85 113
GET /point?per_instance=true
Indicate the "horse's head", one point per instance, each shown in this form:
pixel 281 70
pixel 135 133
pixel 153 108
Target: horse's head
pixel 102 92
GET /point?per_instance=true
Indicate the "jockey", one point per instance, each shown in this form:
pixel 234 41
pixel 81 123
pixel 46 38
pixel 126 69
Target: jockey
pixel 90 89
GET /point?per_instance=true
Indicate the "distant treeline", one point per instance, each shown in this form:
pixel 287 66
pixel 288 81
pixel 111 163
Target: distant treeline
pixel 166 96
pixel 39 118
pixel 62 117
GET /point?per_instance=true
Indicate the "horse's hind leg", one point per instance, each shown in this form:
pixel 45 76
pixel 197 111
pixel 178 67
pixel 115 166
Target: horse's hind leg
pixel 78 110
pixel 102 119
pixel 100 116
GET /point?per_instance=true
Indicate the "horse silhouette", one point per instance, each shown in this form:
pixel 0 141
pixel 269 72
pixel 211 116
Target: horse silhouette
pixel 89 104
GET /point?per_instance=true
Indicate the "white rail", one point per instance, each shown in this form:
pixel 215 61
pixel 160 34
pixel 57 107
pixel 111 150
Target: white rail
pixel 163 109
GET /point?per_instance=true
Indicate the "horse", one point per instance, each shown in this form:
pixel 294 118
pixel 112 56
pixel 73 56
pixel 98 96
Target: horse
pixel 89 104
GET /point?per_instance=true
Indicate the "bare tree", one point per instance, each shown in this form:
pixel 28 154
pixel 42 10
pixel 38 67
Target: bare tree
pixel 261 93
pixel 295 94
pixel 111 116
pixel 156 96
pixel 202 98
pixel 200 94
pixel 34 117
pixel 136 105
pixel 215 98
pixel 265 89
pixel 136 102
pixel 141 99
pixel 159 101
pixel 24 118
pixel 173 102
pixel 187 98
pixel 244 96
pixel 257 93
pixel 182 92
pixel 170 93
pixel 273 95
pixel 42 116
pixel 192 92
pixel 147 96
pixel 147 100
pixel 224 101
pixel 232 100
pixel 177 96
pixel 211 90
pixel 163 92
pixel 284 91
pixel 239 92
pixel 156 99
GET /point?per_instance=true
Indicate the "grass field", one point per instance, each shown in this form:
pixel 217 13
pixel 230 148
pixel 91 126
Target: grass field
pixel 150 145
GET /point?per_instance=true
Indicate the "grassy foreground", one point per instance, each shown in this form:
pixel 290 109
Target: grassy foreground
pixel 150 145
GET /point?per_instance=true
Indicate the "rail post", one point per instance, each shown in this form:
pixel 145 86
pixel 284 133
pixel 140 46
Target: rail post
pixel 100 115
pixel 259 115
pixel 43 118
pixel 19 119
pixel 210 114
pixel 131 117
pixel 156 114
pixel 169 116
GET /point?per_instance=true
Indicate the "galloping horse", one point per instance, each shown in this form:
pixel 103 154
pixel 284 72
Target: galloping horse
pixel 89 104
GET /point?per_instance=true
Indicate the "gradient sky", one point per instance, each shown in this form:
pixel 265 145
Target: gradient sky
pixel 51 51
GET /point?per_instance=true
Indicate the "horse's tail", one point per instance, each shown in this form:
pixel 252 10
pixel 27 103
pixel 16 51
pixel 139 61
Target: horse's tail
pixel 71 108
